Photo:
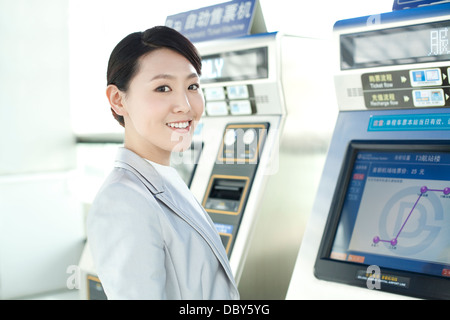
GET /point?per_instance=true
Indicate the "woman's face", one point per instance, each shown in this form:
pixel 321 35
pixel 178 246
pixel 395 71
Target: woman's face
pixel 163 104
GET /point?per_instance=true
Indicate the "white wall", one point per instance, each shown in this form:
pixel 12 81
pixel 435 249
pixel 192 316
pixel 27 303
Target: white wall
pixel 34 87
pixel 316 18
pixel 41 231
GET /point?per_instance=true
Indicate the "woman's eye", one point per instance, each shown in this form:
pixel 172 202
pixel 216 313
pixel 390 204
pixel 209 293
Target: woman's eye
pixel 195 86
pixel 163 89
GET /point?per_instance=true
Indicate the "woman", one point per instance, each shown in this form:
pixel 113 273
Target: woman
pixel 149 237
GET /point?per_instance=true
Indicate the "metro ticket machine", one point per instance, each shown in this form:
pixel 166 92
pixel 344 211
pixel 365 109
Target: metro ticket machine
pixel 380 225
pixel 248 84
pixel 245 116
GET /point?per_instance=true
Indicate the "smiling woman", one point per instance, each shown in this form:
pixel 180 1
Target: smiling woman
pixel 159 114
pixel 149 236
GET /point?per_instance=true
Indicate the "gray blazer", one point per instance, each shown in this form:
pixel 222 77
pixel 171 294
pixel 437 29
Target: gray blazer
pixel 144 246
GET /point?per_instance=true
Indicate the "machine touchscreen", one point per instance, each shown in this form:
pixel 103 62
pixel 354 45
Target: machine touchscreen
pixel 391 214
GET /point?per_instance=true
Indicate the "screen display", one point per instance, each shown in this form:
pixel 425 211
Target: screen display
pixel 235 65
pixel 395 212
pixel 403 45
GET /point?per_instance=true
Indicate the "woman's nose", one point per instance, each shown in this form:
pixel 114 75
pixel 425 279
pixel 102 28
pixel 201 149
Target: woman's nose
pixel 182 104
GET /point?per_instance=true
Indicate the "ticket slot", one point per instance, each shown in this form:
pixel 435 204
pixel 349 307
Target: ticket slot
pixel 226 194
pixel 227 189
pixel 225 201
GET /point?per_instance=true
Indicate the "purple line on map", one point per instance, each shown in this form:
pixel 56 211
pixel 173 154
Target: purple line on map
pixel 423 190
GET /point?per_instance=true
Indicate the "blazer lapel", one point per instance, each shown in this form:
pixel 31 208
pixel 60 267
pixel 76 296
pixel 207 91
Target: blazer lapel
pixel 129 160
pixel 207 231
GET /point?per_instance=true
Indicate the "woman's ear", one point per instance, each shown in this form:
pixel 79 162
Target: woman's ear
pixel 115 98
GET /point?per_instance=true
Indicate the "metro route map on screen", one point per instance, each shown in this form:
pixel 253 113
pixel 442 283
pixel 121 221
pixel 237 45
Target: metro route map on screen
pixel 396 211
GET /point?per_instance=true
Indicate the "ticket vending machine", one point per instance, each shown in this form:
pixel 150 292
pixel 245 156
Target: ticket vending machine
pixel 243 120
pixel 380 225
pixel 249 85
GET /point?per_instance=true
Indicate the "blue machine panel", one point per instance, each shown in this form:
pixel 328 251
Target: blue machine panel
pixel 391 203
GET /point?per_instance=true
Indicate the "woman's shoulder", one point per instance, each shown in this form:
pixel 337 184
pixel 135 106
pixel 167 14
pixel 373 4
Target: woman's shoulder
pixel 122 191
pixel 120 178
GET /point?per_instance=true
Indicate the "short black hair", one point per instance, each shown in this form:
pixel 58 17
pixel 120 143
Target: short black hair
pixel 123 62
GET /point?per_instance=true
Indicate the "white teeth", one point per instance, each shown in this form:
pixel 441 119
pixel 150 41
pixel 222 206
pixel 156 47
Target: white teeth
pixel 179 125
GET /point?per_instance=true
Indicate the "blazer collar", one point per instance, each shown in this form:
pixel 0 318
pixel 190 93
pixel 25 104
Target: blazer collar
pixel 130 160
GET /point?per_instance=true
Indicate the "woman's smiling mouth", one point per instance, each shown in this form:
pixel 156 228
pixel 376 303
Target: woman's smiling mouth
pixel 179 124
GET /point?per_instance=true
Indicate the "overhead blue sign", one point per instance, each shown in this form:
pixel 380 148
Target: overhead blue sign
pixel 408 4
pixel 225 20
